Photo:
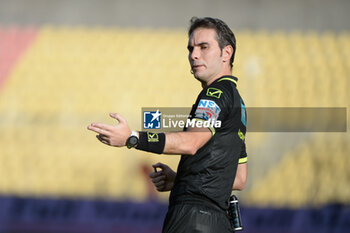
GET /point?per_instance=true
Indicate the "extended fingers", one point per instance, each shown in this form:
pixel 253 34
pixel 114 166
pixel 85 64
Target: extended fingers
pixel 100 128
pixel 97 130
pixel 103 139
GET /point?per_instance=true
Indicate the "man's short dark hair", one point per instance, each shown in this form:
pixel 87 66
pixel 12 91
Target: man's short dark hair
pixel 224 34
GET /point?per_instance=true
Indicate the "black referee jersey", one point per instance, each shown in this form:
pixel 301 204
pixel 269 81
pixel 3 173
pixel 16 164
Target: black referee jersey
pixel 207 177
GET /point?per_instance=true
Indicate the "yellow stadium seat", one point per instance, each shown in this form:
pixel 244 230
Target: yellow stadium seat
pixel 71 77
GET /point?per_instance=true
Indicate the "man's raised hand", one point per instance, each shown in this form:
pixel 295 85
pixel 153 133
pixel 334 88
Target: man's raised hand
pixel 112 135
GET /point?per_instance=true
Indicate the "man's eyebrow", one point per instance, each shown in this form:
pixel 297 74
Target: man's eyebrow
pixel 199 44
pixel 202 43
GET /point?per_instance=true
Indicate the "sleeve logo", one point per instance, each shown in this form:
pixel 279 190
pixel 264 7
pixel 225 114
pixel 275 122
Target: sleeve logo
pixel 241 135
pixel 207 110
pixel 214 92
pixel 152 137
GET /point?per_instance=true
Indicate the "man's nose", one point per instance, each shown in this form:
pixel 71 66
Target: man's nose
pixel 195 54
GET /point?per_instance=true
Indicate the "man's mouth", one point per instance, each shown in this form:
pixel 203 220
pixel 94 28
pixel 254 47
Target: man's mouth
pixel 195 67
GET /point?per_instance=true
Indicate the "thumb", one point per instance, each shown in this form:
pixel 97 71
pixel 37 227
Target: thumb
pixel 156 165
pixel 160 165
pixel 118 117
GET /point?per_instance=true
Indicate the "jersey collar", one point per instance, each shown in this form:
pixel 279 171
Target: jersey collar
pixel 228 78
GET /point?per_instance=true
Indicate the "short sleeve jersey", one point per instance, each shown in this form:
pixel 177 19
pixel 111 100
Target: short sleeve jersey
pixel 211 171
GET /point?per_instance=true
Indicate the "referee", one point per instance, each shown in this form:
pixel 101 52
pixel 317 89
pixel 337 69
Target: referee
pixel 214 158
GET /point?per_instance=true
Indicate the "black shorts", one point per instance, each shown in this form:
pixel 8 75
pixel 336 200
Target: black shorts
pixel 196 218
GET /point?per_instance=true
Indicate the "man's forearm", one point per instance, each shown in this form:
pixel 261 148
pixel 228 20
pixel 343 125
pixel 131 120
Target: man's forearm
pixel 185 142
pixel 241 177
pixel 176 143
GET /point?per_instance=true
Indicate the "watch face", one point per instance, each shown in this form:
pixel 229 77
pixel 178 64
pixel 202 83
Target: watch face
pixel 132 141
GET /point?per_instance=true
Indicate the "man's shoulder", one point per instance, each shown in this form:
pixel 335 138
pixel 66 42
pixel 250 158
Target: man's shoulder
pixel 223 88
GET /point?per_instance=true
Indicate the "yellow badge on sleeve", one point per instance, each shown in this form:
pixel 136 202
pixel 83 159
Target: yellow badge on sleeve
pixel 214 92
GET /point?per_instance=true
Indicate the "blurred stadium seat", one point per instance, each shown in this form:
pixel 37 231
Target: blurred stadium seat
pixel 70 77
pixel 64 78
pixel 315 173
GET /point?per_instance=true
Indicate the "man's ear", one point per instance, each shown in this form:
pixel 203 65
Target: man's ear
pixel 227 52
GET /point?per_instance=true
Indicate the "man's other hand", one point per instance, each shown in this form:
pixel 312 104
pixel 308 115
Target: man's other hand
pixel 163 180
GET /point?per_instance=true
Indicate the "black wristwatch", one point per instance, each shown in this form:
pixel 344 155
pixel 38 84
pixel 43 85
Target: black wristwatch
pixel 133 140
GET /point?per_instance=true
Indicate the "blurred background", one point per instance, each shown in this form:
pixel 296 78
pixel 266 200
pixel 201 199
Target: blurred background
pixel 65 64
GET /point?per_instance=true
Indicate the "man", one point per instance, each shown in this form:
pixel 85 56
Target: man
pixel 213 160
